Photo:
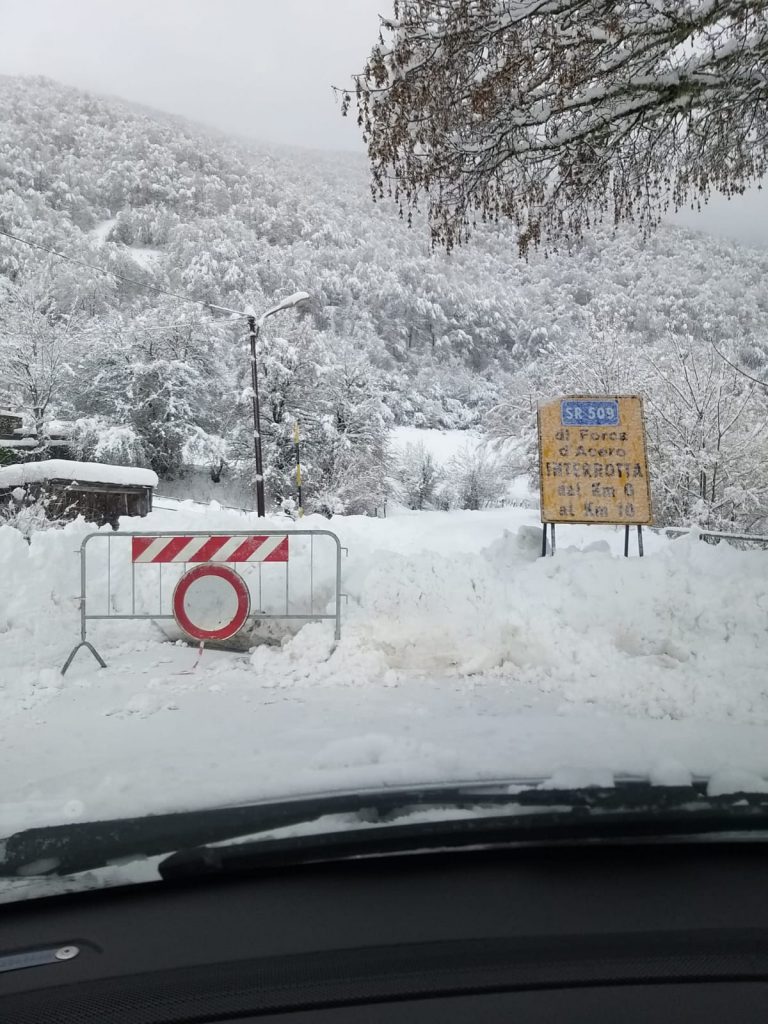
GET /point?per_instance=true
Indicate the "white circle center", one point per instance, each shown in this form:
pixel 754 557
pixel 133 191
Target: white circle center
pixel 210 602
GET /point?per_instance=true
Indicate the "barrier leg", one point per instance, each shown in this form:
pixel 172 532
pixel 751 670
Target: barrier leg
pixel 337 629
pixel 73 652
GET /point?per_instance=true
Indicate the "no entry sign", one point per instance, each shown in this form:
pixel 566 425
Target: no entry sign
pixel 211 602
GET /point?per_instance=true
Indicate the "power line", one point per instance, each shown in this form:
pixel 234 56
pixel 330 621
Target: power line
pixel 738 369
pixel 110 273
pixel 172 327
pixel 144 330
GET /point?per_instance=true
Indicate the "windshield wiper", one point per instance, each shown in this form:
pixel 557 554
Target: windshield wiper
pixel 497 813
pixel 628 812
pixel 84 846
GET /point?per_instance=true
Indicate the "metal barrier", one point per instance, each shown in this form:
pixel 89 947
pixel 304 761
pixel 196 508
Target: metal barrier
pixel 158 501
pixel 715 536
pixel 290 574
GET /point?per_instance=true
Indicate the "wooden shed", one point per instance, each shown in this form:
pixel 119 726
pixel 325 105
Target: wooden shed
pixel 99 492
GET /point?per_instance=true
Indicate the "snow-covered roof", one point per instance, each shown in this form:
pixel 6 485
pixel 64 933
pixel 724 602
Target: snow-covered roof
pixel 83 472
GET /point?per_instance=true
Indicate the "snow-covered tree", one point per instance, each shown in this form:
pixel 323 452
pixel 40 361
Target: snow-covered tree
pixel 97 439
pixel 157 384
pixel 395 333
pixel 38 347
pixel 352 450
pixel 706 430
pixel 705 422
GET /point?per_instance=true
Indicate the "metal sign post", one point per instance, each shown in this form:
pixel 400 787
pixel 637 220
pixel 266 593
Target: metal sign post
pixel 593 466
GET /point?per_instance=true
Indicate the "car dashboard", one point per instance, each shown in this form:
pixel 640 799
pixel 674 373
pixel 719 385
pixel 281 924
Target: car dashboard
pixel 668 932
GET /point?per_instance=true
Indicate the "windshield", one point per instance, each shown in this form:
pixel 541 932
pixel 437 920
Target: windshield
pixel 383 409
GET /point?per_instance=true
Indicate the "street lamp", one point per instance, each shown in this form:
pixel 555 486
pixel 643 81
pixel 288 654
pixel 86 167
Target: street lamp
pixel 254 326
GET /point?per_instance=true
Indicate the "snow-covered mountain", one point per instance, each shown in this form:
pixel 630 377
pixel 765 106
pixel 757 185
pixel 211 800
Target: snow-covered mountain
pixel 164 216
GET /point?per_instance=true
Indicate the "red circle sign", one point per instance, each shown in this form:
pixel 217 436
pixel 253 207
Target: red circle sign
pixel 211 602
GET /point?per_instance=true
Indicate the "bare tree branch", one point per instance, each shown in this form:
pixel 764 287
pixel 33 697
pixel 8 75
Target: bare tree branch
pixel 738 369
pixel 554 113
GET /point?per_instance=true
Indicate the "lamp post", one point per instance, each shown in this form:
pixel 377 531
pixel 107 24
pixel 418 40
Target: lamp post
pixel 253 334
pixel 254 327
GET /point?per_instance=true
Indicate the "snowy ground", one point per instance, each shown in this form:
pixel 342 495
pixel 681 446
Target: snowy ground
pixel 443 445
pixel 100 233
pixel 463 655
pixel 146 256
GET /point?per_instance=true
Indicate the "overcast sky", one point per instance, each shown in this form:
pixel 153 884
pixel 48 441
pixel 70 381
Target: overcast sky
pixel 262 68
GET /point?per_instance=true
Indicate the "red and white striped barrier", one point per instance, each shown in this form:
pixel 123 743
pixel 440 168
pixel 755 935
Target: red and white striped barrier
pixel 219 548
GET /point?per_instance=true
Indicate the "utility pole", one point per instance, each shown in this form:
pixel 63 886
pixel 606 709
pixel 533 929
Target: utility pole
pixel 253 334
pixel 297 450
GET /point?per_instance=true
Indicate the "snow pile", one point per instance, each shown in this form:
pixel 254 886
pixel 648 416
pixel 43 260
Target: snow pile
pixel 39 611
pixel 683 633
pixel 40 580
pixel 680 633
pixel 463 655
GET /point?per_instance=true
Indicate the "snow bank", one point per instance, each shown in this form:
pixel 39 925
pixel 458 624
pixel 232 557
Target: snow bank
pixel 680 633
pixel 463 655
pixel 65 469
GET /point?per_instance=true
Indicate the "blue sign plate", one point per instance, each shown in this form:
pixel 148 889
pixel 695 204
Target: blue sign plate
pixel 577 412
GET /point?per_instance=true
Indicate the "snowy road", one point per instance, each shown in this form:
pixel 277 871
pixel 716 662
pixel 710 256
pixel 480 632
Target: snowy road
pixel 463 656
pixel 139 737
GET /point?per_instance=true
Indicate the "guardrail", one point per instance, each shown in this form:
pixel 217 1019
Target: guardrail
pixel 288 575
pixel 157 500
pixel 715 536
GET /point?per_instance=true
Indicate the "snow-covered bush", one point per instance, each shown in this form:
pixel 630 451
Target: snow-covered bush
pixel 418 476
pixel 95 439
pixel 30 512
pixel 478 478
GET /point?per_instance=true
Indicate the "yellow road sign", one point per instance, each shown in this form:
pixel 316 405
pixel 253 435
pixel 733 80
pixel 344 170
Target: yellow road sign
pixel 593 466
